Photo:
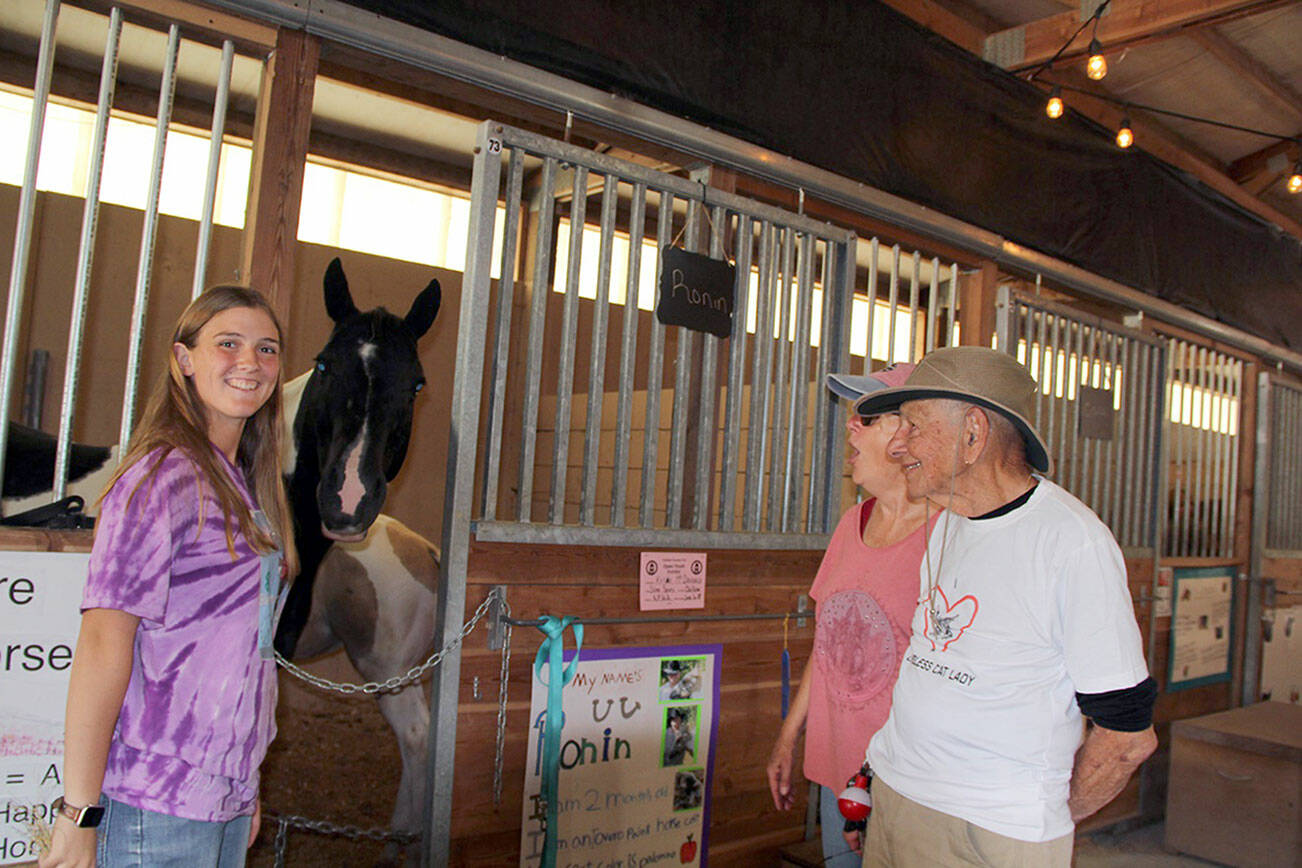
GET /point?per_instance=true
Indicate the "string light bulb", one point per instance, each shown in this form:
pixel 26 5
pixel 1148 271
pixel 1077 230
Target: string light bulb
pixel 1294 183
pixel 1097 66
pixel 1054 107
pixel 1125 135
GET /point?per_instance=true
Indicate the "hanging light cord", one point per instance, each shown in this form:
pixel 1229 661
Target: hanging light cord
pixel 1093 19
pixel 1127 104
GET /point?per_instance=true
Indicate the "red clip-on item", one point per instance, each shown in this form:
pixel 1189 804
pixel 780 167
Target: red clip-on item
pixel 855 802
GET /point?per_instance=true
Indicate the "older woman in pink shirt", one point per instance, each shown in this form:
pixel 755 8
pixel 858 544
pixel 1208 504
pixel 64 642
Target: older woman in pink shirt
pixel 865 592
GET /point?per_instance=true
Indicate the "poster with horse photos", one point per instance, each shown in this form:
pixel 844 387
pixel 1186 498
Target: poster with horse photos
pixel 636 759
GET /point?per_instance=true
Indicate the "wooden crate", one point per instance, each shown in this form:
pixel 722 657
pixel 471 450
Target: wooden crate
pixel 1235 792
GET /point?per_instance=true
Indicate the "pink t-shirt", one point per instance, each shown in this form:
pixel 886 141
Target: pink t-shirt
pixel 865 601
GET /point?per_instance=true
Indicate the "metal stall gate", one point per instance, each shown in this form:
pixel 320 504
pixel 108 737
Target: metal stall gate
pixel 1202 430
pixel 1276 507
pixel 1099 408
pixel 602 426
pixel 130 44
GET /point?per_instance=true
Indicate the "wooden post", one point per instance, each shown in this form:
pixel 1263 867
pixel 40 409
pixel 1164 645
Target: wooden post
pixel 978 291
pixel 280 137
pixel 1242 530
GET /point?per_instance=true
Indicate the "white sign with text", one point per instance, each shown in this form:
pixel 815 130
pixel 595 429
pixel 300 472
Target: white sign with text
pixel 40 598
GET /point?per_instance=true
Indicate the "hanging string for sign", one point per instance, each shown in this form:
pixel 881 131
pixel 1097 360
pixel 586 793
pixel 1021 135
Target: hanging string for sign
pixel 705 208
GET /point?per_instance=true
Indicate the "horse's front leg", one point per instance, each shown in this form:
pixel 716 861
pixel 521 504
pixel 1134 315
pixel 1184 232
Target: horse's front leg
pixel 408 715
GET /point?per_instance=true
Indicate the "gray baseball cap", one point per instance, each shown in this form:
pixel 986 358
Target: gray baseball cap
pixel 852 387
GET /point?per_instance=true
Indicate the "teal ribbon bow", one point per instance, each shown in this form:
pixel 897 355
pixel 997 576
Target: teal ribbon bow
pixel 550 652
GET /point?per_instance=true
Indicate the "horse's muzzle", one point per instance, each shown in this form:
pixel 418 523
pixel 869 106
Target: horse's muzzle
pixel 347 535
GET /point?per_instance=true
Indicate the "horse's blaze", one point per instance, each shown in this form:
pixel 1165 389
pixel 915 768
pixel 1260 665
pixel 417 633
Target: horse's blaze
pixel 352 490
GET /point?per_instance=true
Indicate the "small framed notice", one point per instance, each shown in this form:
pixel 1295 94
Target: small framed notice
pixel 672 580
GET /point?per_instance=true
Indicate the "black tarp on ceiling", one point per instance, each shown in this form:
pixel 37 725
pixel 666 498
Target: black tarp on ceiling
pixel 856 88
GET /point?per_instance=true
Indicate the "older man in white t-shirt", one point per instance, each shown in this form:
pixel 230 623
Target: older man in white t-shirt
pixel 1024 629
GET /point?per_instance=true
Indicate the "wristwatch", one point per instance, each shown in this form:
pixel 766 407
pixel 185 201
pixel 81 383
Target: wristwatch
pixel 83 818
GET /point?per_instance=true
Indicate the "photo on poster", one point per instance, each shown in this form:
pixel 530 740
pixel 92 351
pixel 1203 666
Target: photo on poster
pixel 680 734
pixel 681 678
pixel 689 789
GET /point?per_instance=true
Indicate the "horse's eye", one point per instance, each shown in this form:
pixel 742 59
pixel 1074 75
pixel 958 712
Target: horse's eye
pixel 420 385
pixel 320 366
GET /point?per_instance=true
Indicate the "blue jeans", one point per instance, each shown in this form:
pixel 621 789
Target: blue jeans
pixel 836 853
pixel 132 837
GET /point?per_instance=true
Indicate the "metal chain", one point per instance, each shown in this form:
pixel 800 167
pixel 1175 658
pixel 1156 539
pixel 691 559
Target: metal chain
pixel 282 835
pixel 356 833
pixel 325 827
pixel 397 682
pixel 504 677
pixel 352 833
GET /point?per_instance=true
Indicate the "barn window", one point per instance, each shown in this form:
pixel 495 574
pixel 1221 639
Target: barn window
pixel 343 206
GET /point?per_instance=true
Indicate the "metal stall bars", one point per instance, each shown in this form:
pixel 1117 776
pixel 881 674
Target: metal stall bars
pixel 1284 506
pixel 1203 432
pixel 663 437
pixel 702 451
pixel 1276 505
pixel 25 227
pixel 1099 408
pixel 889 330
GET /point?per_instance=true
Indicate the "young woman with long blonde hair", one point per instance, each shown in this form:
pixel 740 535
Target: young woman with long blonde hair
pixel 171 703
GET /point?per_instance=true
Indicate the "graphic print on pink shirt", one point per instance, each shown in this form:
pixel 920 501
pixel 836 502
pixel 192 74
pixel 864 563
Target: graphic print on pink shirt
pixel 855 648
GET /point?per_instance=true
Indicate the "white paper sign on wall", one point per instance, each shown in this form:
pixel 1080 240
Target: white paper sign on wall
pixel 40 595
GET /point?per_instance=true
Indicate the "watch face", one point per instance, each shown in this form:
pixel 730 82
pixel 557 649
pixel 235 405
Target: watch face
pixel 90 816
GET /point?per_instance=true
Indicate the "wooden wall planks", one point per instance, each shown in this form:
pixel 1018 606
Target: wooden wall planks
pixel 601 582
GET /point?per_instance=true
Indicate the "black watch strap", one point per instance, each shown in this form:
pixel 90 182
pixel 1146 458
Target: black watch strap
pixel 87 817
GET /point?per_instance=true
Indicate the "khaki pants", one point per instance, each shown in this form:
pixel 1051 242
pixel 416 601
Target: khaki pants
pixel 903 834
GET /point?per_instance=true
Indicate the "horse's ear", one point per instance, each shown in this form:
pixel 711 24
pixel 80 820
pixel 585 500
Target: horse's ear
pixel 339 302
pixel 424 309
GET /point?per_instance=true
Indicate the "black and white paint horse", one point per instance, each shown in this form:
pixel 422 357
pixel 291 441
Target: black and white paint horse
pixel 367 581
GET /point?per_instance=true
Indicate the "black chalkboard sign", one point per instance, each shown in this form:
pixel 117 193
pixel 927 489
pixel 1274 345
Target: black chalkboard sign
pixel 696 292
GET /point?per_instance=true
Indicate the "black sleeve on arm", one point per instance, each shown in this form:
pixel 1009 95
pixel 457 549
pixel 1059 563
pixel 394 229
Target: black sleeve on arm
pixel 1128 710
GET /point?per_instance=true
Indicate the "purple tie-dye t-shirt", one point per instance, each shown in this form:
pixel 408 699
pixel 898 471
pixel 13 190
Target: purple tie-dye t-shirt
pixel 199 709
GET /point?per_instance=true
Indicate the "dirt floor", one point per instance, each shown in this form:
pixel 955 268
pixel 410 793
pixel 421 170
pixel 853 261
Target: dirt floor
pixel 334 759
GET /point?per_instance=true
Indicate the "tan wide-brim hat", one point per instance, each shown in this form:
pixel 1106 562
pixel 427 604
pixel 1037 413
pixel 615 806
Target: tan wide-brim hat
pixel 978 375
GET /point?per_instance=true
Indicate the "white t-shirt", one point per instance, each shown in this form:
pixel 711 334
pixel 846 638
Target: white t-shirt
pixel 1029 608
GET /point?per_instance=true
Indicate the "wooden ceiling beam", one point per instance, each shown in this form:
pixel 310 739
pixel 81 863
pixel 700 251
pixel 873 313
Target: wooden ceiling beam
pixel 1282 97
pixel 978 18
pixel 1124 23
pixel 1259 171
pixel 941 20
pixel 1255 163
